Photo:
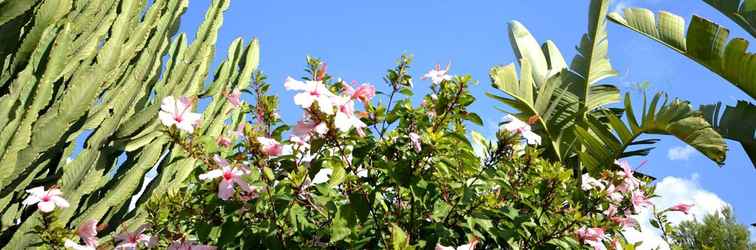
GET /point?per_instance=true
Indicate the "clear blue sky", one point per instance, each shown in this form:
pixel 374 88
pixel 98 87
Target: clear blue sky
pixel 361 39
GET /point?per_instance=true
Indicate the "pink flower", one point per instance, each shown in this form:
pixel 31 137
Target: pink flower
pixel 234 98
pixel 312 91
pixel 239 132
pixel 611 210
pixel 307 127
pixel 345 119
pixel 87 231
pixel 639 200
pixel 270 146
pixel 416 141
pixel 364 93
pixel 178 112
pixel 684 208
pixel 220 161
pixel 629 182
pixel 517 126
pixel 131 240
pixel 230 176
pixel 593 237
pixel 613 194
pixel 624 221
pixel 437 75
pixel 188 245
pixel 223 141
pixel 46 200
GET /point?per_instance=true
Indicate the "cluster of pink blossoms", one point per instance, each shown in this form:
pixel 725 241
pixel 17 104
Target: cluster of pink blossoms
pixel 628 187
pixel 177 112
pixel 340 107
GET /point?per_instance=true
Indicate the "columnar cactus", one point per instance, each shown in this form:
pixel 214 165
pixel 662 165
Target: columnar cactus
pixel 81 84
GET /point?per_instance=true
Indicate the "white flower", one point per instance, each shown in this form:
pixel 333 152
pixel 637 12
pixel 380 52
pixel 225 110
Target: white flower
pixel 46 200
pixel 312 91
pixel 230 176
pixel 590 183
pixel 345 119
pixel 437 75
pixel 178 112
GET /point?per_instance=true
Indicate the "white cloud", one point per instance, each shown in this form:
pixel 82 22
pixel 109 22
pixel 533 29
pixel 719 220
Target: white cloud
pixel 680 153
pixel 619 5
pixel 673 191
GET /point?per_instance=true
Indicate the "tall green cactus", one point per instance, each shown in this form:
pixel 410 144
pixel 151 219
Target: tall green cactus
pixel 92 72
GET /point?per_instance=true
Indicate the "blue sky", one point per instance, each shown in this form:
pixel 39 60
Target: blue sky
pixel 361 39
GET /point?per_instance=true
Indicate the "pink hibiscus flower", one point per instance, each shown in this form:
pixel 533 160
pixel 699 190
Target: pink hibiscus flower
pixel 178 112
pixel 684 208
pixel 437 75
pixel 312 92
pixel 132 240
pixel 270 146
pixel 46 200
pixel 230 176
pixel 234 98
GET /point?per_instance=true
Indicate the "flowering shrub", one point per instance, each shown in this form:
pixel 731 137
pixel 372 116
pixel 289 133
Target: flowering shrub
pixel 355 172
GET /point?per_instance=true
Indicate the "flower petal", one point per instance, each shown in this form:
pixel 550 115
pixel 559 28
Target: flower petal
pixel 304 100
pixel 212 174
pixel 60 201
pixel 225 189
pixel 46 206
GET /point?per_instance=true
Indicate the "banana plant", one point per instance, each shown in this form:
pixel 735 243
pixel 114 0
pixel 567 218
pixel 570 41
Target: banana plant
pixel 609 140
pixel 80 89
pixel 571 108
pixel 707 44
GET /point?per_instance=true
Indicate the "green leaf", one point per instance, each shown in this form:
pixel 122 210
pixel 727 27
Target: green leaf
pixel 676 118
pixel 742 12
pixel 735 123
pixel 399 239
pixel 705 43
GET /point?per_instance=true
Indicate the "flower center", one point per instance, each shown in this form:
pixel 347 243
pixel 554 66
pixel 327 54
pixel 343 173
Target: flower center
pixel 315 93
pixel 228 175
pixel 178 118
pixel 45 198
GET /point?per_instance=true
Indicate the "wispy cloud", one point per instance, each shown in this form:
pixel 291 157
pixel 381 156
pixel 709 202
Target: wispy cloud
pixel 680 153
pixel 672 191
pixel 620 4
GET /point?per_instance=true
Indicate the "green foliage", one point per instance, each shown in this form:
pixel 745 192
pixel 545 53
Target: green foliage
pixel 676 118
pixel 716 231
pixel 91 72
pixel 571 109
pixel 734 123
pixel 382 192
pixel 741 12
pixel 706 43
